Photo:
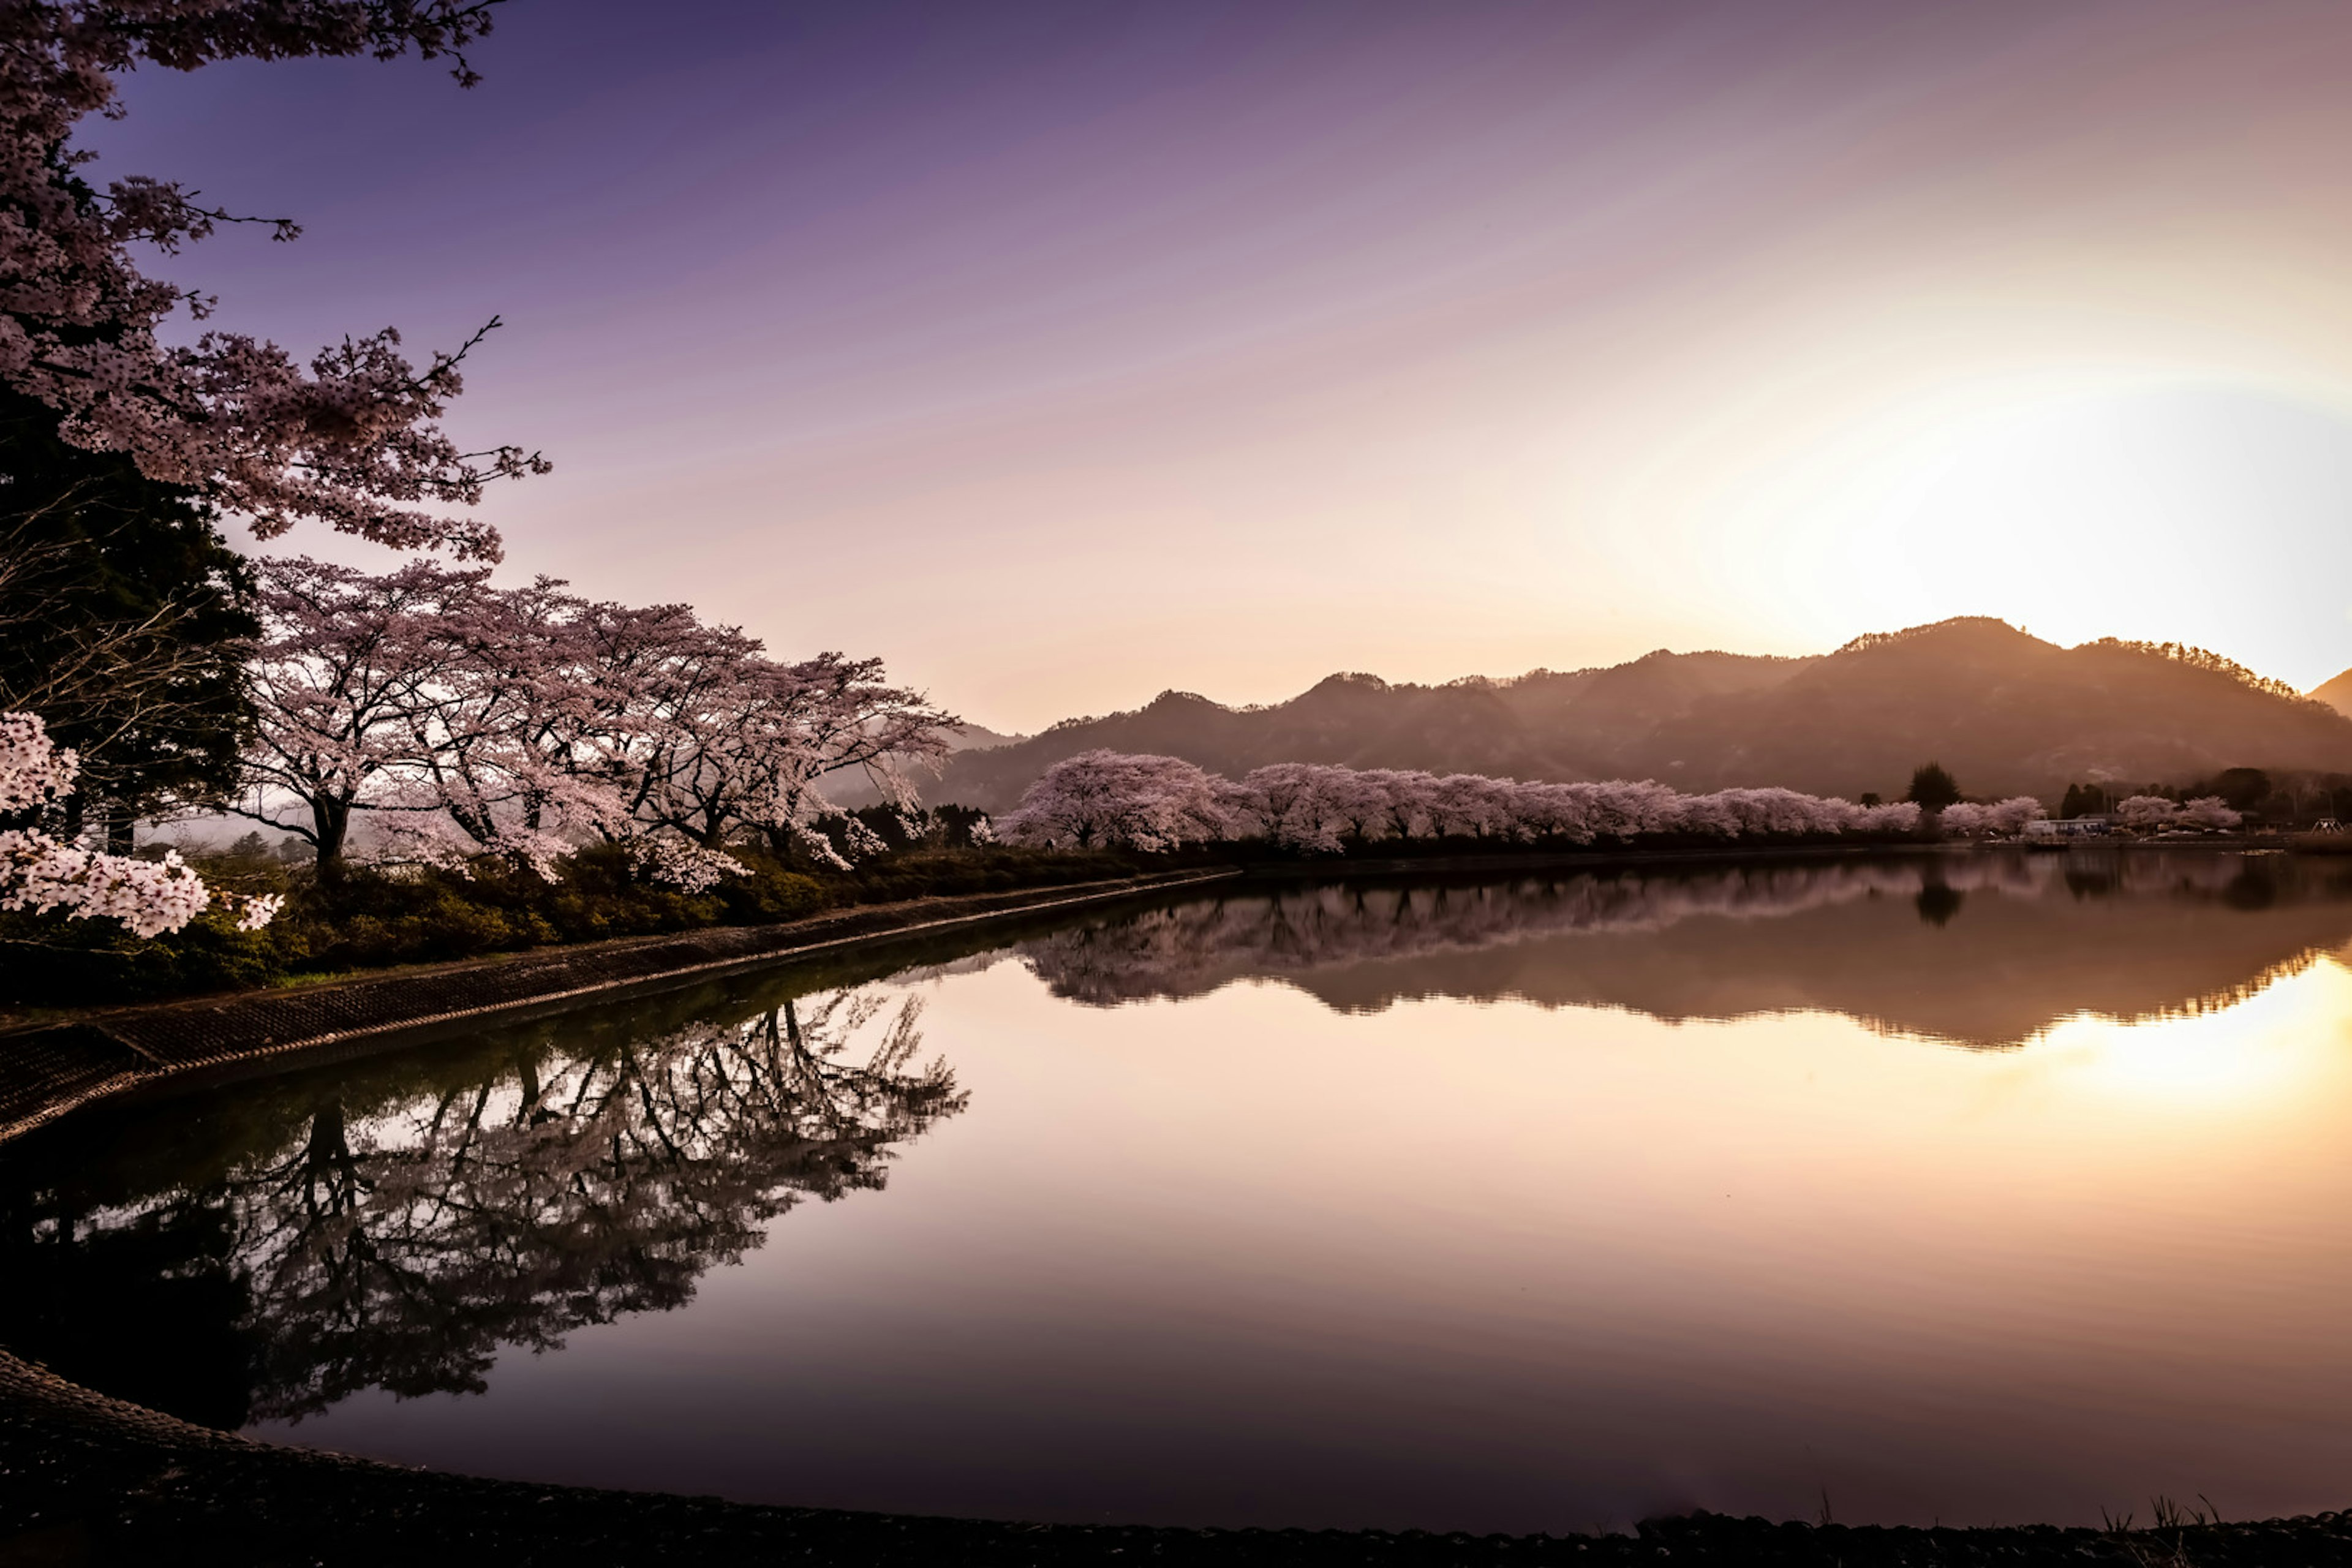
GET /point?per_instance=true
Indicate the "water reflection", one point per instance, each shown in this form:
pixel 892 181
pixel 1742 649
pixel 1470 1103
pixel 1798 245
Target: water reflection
pixel 1523 1204
pixel 361 1231
pixel 1985 949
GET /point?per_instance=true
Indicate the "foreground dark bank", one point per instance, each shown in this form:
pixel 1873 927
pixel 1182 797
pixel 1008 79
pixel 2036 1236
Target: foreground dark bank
pixel 85 1480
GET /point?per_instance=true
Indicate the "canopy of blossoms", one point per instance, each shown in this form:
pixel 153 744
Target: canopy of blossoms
pixel 463 719
pixel 1105 799
pixel 2149 812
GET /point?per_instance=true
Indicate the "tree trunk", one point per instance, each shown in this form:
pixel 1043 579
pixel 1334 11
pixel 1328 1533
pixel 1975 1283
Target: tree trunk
pixel 331 823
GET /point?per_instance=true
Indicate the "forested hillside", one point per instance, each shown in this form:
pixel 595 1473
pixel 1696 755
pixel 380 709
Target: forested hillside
pixel 2006 712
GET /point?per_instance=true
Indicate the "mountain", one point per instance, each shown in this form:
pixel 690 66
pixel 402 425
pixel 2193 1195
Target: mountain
pixel 2335 693
pixel 978 738
pixel 2008 713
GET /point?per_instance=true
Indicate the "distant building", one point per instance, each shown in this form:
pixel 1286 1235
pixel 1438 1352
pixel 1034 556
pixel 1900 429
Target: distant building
pixel 2059 829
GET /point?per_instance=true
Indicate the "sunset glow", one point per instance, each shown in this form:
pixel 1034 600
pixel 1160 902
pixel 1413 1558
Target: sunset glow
pixel 1224 349
pixel 1468 786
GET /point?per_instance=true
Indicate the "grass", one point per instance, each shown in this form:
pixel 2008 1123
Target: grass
pixel 371 922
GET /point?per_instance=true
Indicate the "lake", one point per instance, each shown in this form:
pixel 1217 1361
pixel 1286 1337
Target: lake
pixel 1986 1188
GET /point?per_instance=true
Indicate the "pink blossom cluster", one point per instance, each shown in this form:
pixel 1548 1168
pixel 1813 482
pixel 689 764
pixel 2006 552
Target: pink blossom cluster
pixel 349 438
pixel 1968 819
pixel 676 863
pixel 1107 799
pixel 39 874
pixel 149 897
pixel 460 718
pixel 33 772
pixel 2149 812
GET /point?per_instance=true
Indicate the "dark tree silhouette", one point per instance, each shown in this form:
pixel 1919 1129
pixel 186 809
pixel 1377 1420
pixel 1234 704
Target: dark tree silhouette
pixel 2082 800
pixel 121 615
pixel 1932 788
pixel 1937 902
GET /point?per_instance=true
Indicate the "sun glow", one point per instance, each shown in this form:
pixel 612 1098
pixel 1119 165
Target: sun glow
pixel 2267 1048
pixel 1993 497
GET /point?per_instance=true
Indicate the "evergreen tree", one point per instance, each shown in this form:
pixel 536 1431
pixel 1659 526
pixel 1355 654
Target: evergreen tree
pixel 122 612
pixel 1932 788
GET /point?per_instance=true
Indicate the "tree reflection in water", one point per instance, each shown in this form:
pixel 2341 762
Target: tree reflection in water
pixel 1983 949
pixel 403 1242
pixel 265 1251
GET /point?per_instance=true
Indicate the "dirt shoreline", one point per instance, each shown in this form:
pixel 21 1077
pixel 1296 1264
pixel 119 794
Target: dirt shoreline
pixel 88 1478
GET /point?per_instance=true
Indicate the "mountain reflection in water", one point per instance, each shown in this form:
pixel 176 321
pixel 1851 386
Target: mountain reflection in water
pixel 377 1231
pixel 1984 950
pixel 1523 1203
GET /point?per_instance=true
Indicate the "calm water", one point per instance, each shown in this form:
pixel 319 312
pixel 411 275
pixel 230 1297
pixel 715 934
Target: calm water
pixel 2008 1188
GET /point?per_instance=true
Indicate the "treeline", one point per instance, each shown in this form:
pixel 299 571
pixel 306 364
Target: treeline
pixel 1103 799
pixel 464 718
pixel 2290 796
pixel 432 719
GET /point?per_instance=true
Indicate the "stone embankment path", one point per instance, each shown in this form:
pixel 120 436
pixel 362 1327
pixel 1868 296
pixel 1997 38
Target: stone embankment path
pixel 47 1069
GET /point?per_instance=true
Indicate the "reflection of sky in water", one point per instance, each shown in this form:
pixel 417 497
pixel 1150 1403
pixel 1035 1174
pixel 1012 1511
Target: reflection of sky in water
pixel 1238 1255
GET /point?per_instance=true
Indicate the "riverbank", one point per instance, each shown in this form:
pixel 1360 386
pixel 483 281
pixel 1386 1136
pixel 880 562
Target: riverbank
pixel 55 1059
pixel 370 924
pixel 53 1065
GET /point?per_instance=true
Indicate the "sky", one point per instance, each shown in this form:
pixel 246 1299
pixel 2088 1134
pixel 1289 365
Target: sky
pixel 1061 353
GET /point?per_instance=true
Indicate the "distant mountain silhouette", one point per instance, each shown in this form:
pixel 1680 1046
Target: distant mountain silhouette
pixel 2005 711
pixel 2335 693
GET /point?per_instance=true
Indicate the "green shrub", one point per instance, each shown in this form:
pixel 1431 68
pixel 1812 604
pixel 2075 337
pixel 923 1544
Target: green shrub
pixel 372 920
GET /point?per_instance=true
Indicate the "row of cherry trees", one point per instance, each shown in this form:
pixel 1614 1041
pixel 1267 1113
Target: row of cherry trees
pixel 1107 799
pixel 1110 799
pixel 464 718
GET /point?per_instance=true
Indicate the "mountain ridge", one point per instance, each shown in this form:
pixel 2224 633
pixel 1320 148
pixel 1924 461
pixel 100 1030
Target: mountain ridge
pixel 2006 712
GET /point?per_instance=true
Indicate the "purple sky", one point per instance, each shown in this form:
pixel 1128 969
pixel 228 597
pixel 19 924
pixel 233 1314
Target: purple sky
pixel 1062 353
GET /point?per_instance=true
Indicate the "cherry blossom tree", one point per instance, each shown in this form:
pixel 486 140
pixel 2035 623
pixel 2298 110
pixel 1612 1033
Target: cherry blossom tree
pixel 519 752
pixel 1962 819
pixel 2144 812
pixel 1103 799
pixel 1898 816
pixel 348 671
pixel 731 742
pixel 1299 805
pixel 351 437
pixel 2211 812
pixel 839 715
pixel 1972 819
pixel 39 874
pixel 1406 794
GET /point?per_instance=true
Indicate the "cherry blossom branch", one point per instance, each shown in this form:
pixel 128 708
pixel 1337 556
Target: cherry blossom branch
pixel 353 441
